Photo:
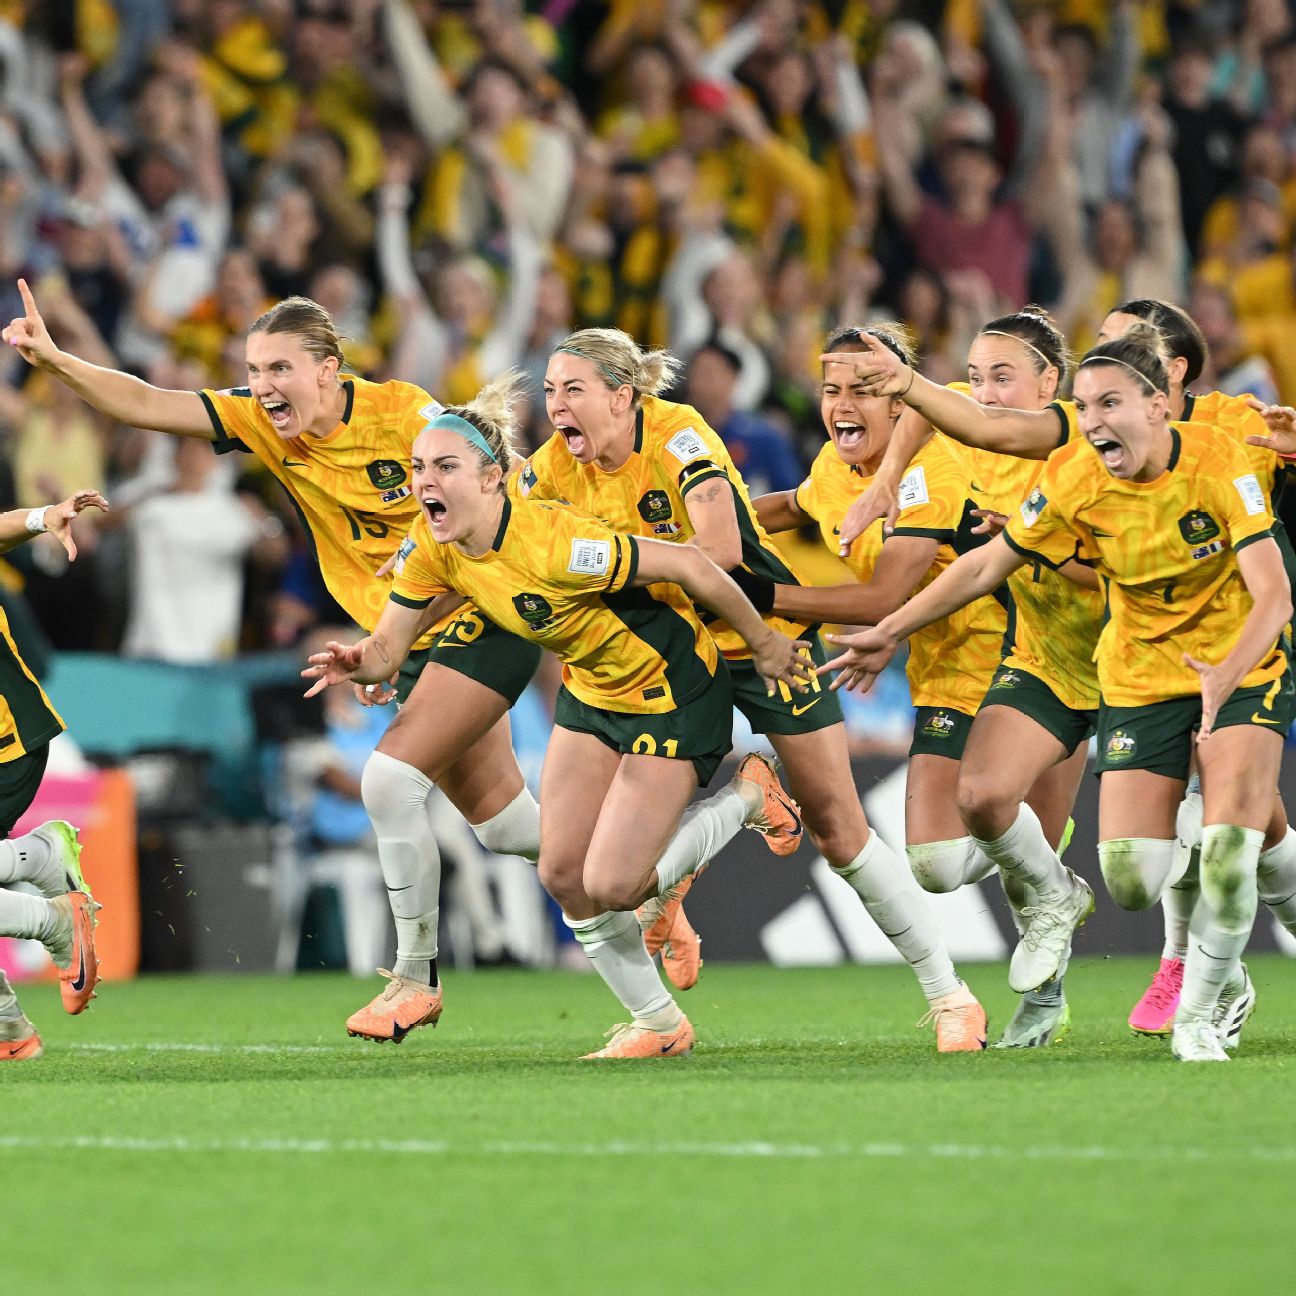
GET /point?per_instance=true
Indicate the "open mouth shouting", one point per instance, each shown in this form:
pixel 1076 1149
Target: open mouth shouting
pixel 574 438
pixel 280 413
pixel 1112 453
pixel 850 437
pixel 435 508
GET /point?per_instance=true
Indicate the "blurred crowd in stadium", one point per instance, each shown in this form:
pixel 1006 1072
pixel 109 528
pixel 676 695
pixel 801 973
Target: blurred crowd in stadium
pixel 462 183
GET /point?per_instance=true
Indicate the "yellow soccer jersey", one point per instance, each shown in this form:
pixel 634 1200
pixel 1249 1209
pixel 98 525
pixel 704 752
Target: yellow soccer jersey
pixel 1054 624
pixel 951 661
pixel 27 718
pixel 674 451
pixel 352 487
pixel 563 579
pixel 1232 414
pixel 1165 547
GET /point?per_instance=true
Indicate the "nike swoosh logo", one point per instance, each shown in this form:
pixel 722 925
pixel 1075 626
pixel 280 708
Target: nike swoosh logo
pixel 1257 718
pixel 666 1048
pixel 801 710
pixel 78 981
pixel 292 463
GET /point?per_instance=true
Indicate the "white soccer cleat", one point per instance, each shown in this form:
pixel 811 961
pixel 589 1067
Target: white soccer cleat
pixel 1234 1009
pixel 1047 938
pixel 1197 1041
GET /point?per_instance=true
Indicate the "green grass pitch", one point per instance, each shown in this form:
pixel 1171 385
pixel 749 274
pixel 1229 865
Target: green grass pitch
pixel 224 1135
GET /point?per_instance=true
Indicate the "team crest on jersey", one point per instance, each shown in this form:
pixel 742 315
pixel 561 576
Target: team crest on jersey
pixel 655 506
pixel 1197 527
pixel 1120 746
pixel 386 474
pixel 939 725
pixel 1034 505
pixel 535 610
pixel 1006 679
pixel 527 479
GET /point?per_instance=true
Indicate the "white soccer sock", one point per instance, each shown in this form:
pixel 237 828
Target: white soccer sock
pixel 1276 879
pixel 9 1007
pixel 895 903
pixel 27 917
pixel 395 795
pixel 615 946
pixel 1137 869
pixel 943 866
pixel 704 828
pixel 1025 852
pixel 25 859
pixel 1177 905
pixel 515 830
pixel 1222 921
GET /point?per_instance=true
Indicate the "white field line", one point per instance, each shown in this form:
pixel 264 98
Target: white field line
pixel 721 1151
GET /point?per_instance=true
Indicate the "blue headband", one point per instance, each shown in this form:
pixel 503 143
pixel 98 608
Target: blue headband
pixel 454 423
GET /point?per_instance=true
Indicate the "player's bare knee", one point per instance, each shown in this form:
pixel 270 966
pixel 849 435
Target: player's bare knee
pixel 614 893
pixel 561 878
pixel 839 833
pixel 987 811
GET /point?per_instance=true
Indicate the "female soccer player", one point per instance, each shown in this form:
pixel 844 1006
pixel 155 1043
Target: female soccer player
pixel 339 445
pixel 653 467
pixel 644 713
pixel 1033 434
pixel 1178 525
pixel 48 858
pixel 979 756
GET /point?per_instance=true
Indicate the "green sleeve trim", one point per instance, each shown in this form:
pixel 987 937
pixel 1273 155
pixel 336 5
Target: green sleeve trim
pixel 1033 555
pixel 1266 534
pixel 224 442
pixel 1066 424
pixel 417 604
pixel 711 471
pixel 945 535
pixel 632 560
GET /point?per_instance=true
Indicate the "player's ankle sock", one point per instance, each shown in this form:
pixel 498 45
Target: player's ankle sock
pixel 1177 905
pixel 943 866
pixel 30 859
pixel 395 795
pixel 1024 851
pixel 423 971
pixel 29 917
pixel 10 1010
pixel 895 902
pixel 1047 995
pixel 515 830
pixel 1276 879
pixel 1222 921
pixel 704 829
pixel 615 946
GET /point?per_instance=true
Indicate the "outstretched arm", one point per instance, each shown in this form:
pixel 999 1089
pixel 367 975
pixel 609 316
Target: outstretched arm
pixel 974 575
pixel 903 563
pixel 1028 434
pixel 371 660
pixel 1262 570
pixel 19 525
pixel 774 655
pixel 119 395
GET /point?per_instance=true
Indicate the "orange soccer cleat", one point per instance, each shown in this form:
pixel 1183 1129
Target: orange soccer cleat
pixel 19 1041
pixel 666 930
pixel 779 818
pixel 960 1025
pixel 80 975
pixel 633 1040
pixel 402 1006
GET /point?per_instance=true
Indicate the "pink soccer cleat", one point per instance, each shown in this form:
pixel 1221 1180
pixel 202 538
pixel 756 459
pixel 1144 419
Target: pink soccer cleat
pixel 1154 1014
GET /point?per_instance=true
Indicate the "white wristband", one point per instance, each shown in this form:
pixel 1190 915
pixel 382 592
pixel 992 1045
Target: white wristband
pixel 36 520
